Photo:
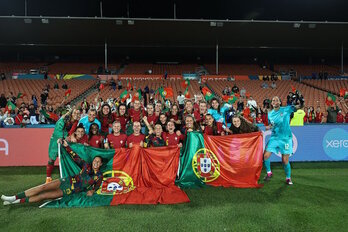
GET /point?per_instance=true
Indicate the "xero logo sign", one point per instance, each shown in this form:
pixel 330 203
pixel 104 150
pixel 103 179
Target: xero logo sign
pixel 335 144
pixel 3 147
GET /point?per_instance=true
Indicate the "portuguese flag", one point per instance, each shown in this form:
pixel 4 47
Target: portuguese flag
pixel 67 93
pixel 185 84
pixel 330 99
pixel 21 95
pixel 129 86
pixel 137 95
pixel 228 161
pixel 344 93
pixel 166 92
pixel 10 106
pixel 187 93
pixel 49 115
pixel 229 99
pixel 131 176
pixel 208 95
pixel 124 95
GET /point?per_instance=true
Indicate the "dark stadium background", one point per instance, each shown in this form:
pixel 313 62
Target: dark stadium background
pixel 151 39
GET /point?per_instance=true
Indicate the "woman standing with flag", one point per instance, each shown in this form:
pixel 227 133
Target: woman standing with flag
pixel 66 125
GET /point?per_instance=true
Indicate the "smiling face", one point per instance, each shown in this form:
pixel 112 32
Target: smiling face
pixel 203 107
pixel 75 115
pixel 174 110
pixel 158 107
pixel 199 97
pixel 122 110
pixel 170 127
pixel 150 109
pixel 163 118
pixel 215 104
pixel 136 104
pixel 97 163
pixel 189 122
pixel 106 110
pixel 91 115
pixel 275 102
pixel 209 120
pixel 236 122
pixel 116 127
pixel 158 130
pixel 136 128
pixel 188 106
pixel 94 129
pixel 80 132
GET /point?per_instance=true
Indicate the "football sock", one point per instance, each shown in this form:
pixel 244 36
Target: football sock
pixel 20 195
pixel 287 169
pixel 49 168
pixel 24 200
pixel 267 164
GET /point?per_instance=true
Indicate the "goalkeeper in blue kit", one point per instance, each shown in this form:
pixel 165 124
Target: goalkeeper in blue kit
pixel 281 137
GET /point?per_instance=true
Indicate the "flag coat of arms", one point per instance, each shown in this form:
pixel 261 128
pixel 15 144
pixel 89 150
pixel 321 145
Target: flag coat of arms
pixel 228 161
pixel 131 176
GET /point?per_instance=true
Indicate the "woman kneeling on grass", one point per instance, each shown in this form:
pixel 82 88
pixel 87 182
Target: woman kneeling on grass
pixel 88 179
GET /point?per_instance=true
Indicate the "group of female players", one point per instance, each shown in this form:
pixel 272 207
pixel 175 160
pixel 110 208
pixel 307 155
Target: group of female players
pixel 150 126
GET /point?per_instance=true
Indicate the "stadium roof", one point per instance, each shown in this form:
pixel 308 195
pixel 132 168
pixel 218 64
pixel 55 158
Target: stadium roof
pixel 128 33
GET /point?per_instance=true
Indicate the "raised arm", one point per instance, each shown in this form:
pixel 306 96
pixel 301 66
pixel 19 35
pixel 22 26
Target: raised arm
pixel 77 159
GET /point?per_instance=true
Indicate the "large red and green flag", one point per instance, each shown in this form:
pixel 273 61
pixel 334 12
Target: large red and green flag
pixel 208 95
pixel 131 176
pixel 185 84
pixel 330 99
pixel 10 106
pixel 166 92
pixel 228 161
pixel 124 95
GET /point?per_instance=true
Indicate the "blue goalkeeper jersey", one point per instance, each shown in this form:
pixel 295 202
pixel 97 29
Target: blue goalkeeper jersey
pixel 280 121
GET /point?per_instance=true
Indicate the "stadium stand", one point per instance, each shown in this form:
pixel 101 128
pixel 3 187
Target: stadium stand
pixel 35 87
pixel 307 70
pixel 152 85
pixel 313 97
pixel 238 69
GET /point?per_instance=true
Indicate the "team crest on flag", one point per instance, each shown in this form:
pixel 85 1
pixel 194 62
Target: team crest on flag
pixel 205 165
pixel 116 182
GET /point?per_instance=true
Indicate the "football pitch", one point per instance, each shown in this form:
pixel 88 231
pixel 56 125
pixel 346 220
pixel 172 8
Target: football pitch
pixel 318 201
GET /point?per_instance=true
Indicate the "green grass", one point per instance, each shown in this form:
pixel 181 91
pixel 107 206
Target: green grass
pixel 318 201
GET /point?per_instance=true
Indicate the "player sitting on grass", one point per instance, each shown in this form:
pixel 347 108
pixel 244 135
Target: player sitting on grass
pixel 88 179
